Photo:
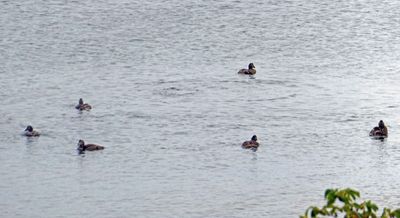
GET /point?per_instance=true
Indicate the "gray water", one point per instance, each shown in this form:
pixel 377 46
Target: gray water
pixel 172 112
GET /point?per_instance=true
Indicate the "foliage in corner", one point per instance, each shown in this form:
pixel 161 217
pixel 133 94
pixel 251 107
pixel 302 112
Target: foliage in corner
pixel 342 203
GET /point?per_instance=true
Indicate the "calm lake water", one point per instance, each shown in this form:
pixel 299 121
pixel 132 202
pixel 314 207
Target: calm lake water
pixel 172 112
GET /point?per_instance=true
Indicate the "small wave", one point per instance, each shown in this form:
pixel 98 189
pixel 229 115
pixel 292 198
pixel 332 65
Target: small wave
pixel 282 98
pixel 176 92
pixel 163 81
pixel 348 120
pixel 137 115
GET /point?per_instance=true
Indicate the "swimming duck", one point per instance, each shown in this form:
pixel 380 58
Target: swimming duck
pixel 30 132
pixel 250 71
pixel 379 131
pixel 83 106
pixel 88 147
pixel 252 144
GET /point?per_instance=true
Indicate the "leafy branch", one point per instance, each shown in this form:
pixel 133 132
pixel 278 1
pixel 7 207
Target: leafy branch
pixel 343 203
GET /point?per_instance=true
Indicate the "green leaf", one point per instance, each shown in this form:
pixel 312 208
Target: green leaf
pixel 314 212
pixel 329 191
pixel 353 193
pixel 348 206
pixel 330 196
pixel 386 213
pixel 396 213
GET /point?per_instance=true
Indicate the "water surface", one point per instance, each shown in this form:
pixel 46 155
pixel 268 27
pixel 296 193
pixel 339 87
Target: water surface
pixel 172 112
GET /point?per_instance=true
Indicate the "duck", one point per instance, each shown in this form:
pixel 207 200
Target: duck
pixel 30 132
pixel 252 144
pixel 83 106
pixel 250 71
pixel 379 131
pixel 88 147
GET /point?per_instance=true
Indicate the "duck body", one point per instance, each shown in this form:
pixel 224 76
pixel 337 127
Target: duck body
pixel 247 71
pixel 88 147
pixel 32 134
pixel 379 131
pixel 250 71
pixel 93 147
pixel 83 106
pixel 29 132
pixel 252 144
